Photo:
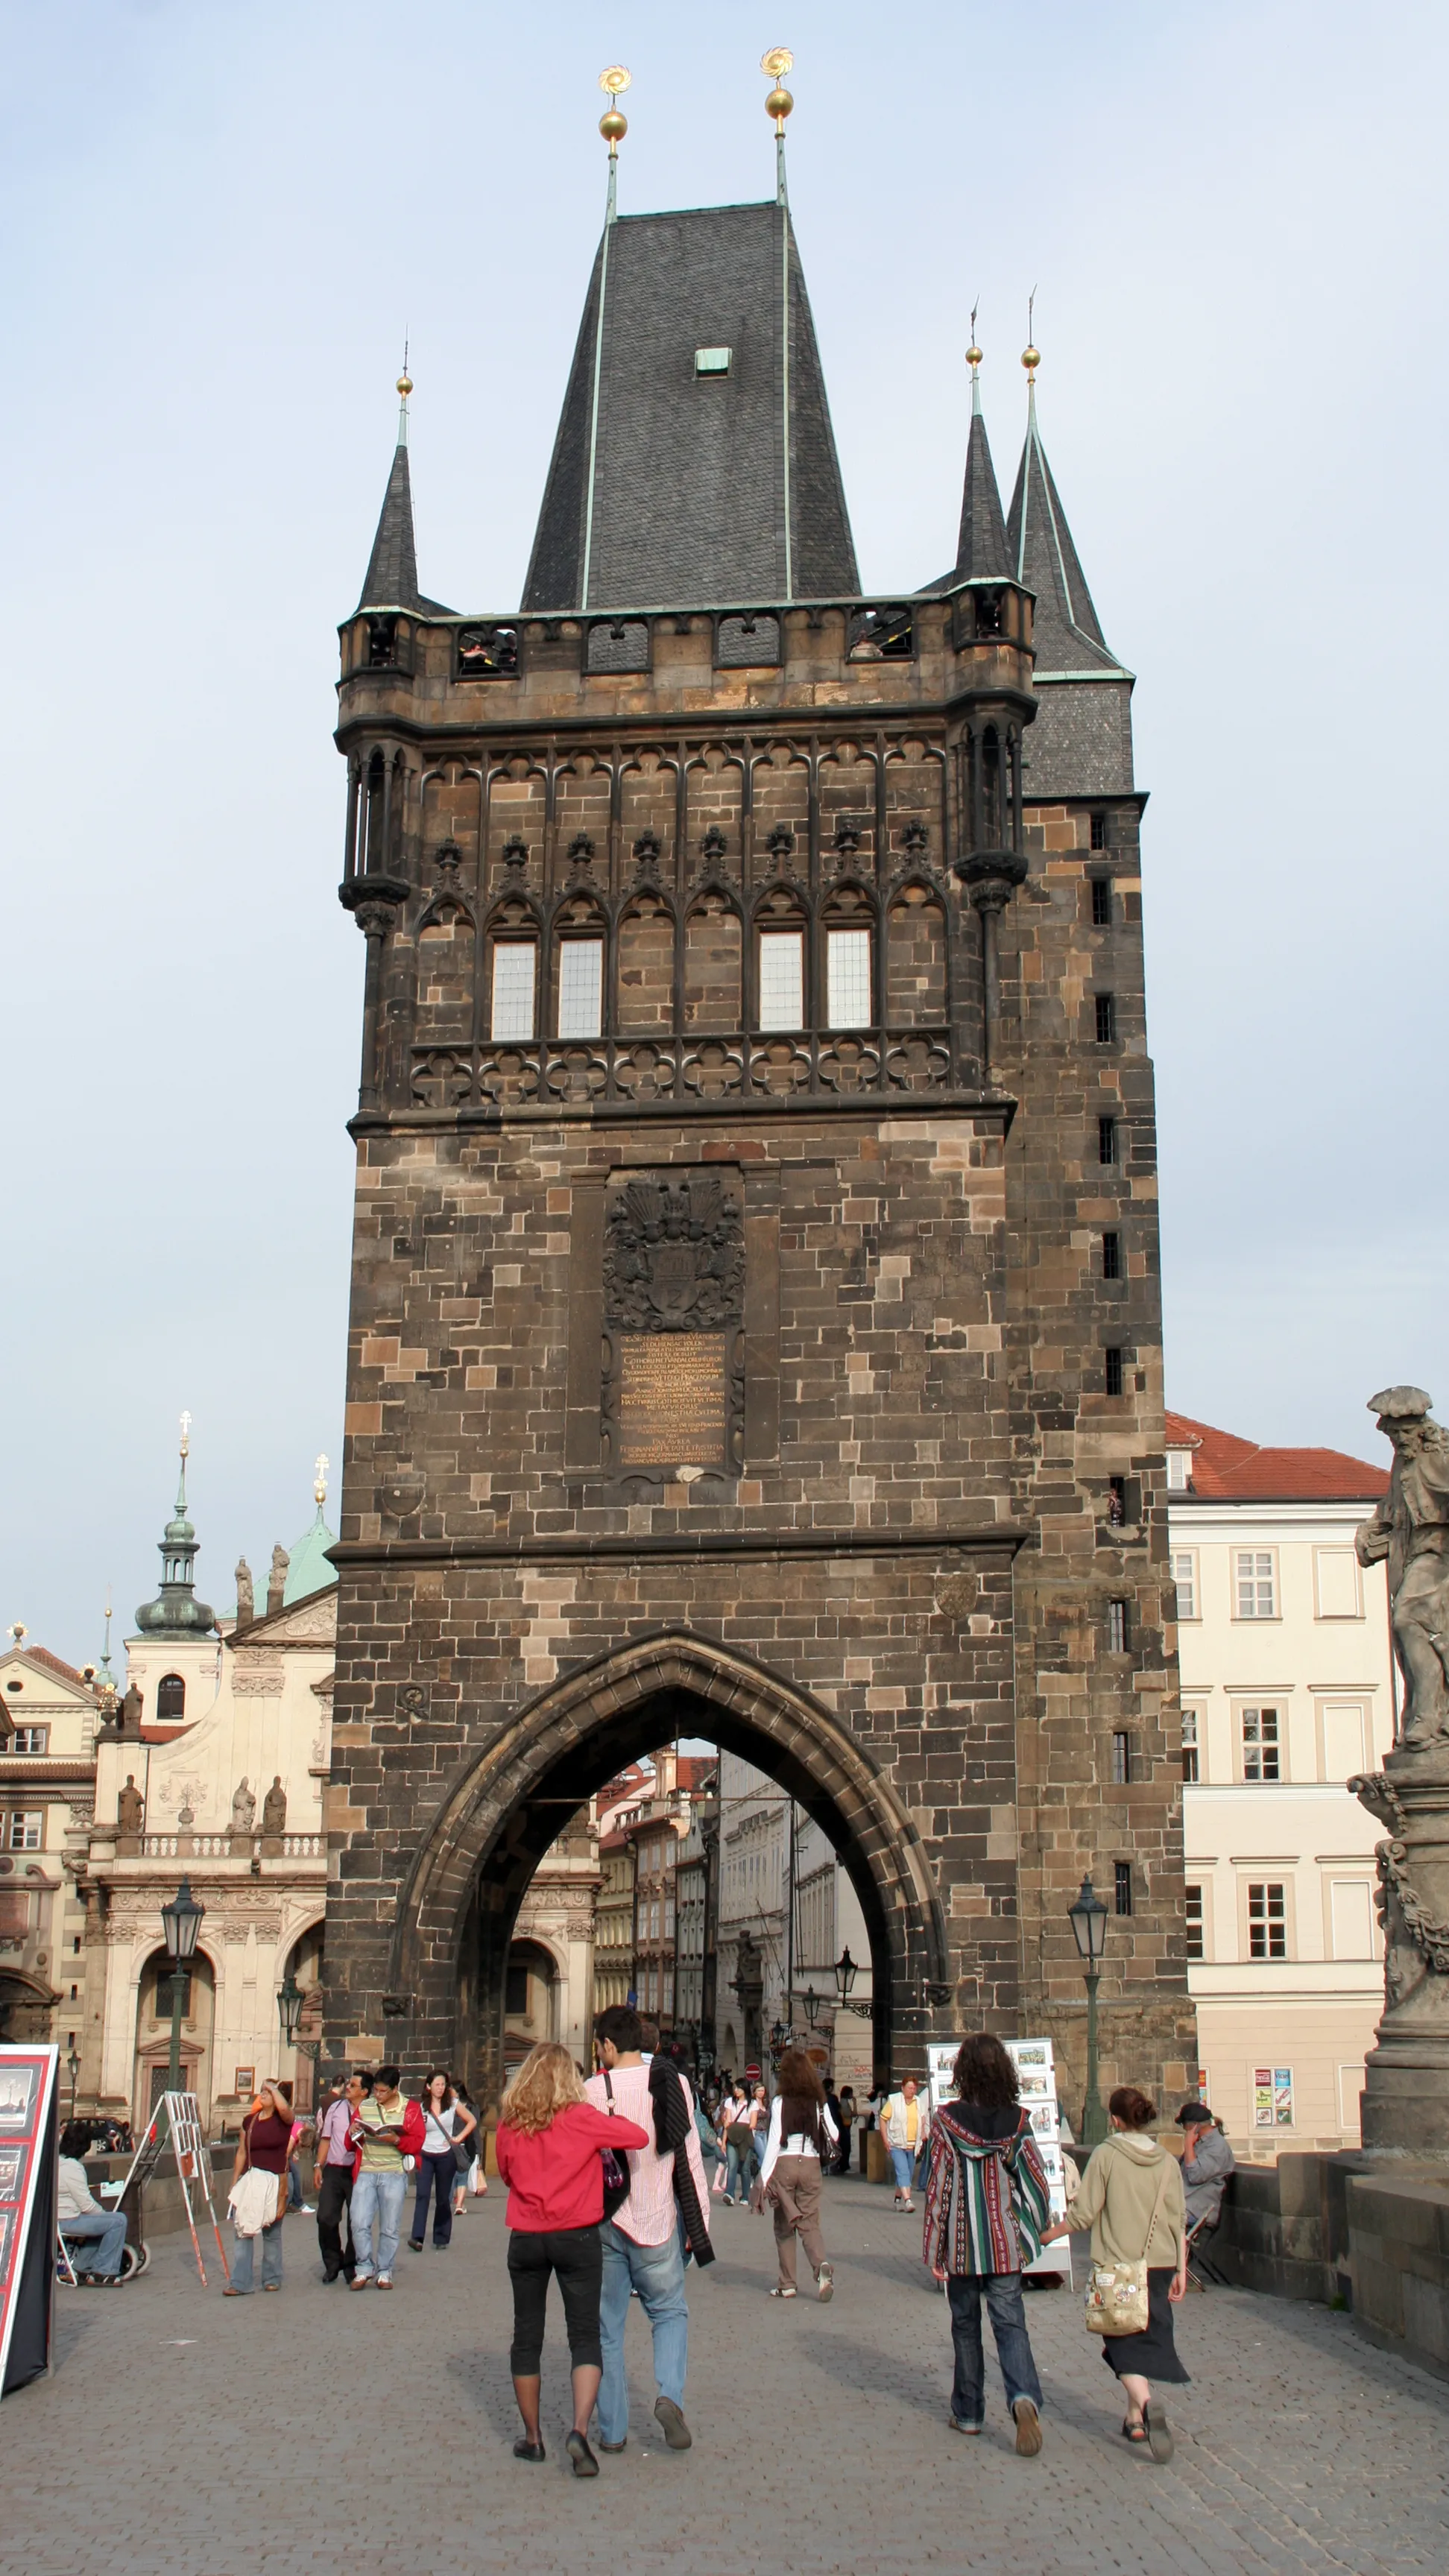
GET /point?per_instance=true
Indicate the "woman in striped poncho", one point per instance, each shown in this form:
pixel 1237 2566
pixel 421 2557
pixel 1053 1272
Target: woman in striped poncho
pixel 987 2201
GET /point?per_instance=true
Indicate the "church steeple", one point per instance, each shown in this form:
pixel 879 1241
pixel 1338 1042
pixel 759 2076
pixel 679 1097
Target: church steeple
pixel 981 550
pixel 1069 640
pixel 178 1613
pixel 392 573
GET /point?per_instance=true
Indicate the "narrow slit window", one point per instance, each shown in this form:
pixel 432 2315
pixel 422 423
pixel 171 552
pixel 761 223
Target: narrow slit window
pixel 1101 902
pixel 782 979
pixel 1106 1018
pixel 1121 1764
pixel 581 988
pixel 1190 1747
pixel 847 960
pixel 1106 1140
pixel 1116 1627
pixel 1099 831
pixel 1111 1256
pixel 515 976
pixel 1122 1873
pixel 1114 1372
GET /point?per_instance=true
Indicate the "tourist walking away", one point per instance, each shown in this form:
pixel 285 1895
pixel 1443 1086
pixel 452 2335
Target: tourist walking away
pixel 905 2122
pixel 1207 2161
pixel 801 2135
pixel 759 2120
pixel 641 2240
pixel 445 2127
pixel 549 2144
pixel 847 2118
pixel 258 2201
pixel 472 2182
pixel 385 2128
pixel 737 2129
pixel 987 2202
pixel 83 2221
pixel 332 2177
pixel 1131 2198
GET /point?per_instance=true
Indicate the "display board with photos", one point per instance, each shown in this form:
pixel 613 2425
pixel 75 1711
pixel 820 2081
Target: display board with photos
pixel 27 2210
pixel 1273 2097
pixel 1036 2079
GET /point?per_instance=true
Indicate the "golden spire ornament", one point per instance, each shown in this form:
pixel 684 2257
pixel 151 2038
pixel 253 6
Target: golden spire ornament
pixel 1031 354
pixel 775 64
pixel 614 125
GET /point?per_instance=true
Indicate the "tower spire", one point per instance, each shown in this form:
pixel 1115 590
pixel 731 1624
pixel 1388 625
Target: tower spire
pixel 981 548
pixel 1043 556
pixel 392 571
pixel 177 1612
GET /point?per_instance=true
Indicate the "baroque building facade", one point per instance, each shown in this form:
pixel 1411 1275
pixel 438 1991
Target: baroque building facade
pixel 755 1323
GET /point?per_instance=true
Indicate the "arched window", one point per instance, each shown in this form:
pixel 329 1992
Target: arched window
pixel 170 1699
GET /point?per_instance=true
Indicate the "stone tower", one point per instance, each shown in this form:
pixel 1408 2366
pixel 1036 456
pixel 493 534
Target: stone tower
pixel 755 1318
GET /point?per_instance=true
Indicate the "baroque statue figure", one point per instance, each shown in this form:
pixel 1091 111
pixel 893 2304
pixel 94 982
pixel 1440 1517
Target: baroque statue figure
pixel 1410 1527
pixel 130 1806
pixel 246 1602
pixel 274 1808
pixel 243 1808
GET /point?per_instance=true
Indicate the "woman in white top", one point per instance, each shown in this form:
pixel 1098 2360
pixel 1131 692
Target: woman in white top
pixel 736 2126
pixel 446 2123
pixel 801 2132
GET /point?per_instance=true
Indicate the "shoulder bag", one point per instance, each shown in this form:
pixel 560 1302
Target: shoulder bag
pixel 1116 2297
pixel 616 2166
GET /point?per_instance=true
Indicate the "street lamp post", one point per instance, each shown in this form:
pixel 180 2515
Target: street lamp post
pixel 1088 1919
pixel 181 1922
pixel 72 2064
pixel 846 1972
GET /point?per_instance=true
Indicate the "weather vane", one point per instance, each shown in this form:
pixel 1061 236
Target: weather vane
pixel 775 64
pixel 186 1435
pixel 1031 354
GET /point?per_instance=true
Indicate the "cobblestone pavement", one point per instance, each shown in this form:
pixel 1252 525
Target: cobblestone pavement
pixel 186 2436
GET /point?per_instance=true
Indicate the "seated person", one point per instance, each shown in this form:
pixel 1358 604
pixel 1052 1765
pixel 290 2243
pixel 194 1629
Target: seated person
pixel 82 2220
pixel 1207 2161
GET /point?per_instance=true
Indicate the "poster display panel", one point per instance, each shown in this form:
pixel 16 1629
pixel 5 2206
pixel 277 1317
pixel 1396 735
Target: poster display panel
pixel 1036 2077
pixel 27 2211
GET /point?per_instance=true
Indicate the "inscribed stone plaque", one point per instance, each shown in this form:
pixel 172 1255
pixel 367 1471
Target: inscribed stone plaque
pixel 672 1399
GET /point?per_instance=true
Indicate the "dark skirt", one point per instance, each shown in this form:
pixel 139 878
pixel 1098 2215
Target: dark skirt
pixel 1152 2355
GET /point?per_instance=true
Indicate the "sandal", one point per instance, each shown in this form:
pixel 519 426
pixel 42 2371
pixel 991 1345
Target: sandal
pixel 1134 2431
pixel 1159 2433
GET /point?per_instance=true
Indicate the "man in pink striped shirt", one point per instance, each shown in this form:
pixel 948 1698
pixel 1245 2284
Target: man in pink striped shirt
pixel 642 2249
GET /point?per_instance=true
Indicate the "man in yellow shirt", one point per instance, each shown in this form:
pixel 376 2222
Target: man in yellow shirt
pixel 905 2126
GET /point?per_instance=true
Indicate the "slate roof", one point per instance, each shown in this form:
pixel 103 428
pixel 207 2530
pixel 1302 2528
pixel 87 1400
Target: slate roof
pixel 983 550
pixel 689 480
pixel 1226 1469
pixel 1043 556
pixel 392 571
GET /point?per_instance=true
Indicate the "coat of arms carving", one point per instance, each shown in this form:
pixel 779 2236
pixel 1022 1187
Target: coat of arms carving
pixel 674 1255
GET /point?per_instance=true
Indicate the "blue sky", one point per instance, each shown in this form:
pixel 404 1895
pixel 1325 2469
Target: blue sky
pixel 221 221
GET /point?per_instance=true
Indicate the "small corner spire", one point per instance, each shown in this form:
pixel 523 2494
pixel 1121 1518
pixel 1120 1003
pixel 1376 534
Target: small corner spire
pixel 614 125
pixel 775 63
pixel 981 547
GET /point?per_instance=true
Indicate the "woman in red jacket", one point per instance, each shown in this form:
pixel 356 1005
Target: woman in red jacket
pixel 548 2148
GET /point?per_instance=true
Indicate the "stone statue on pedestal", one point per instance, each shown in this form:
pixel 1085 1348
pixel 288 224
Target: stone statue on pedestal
pixel 1406 2080
pixel 274 1808
pixel 243 1808
pixel 246 1602
pixel 277 1581
pixel 130 1807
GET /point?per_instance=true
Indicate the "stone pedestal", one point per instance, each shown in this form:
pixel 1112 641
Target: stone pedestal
pixel 1406 2080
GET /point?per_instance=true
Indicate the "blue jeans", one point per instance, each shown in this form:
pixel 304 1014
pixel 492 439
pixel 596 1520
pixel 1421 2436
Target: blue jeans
pixel 436 2178
pixel 244 2255
pixel 1013 2344
pixel 657 2273
pixel 103 2228
pixel 377 2198
pixel 905 2167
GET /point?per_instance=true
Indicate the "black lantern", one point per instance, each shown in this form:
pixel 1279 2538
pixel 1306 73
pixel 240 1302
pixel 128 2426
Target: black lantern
pixel 846 1973
pixel 779 2033
pixel 181 1922
pixel 812 2003
pixel 289 2007
pixel 1088 1919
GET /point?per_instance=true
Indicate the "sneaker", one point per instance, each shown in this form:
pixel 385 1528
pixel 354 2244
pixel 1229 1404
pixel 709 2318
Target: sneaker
pixel 384 2280
pixel 958 2427
pixel 360 2281
pixel 826 2279
pixel 1028 2429
pixel 676 2432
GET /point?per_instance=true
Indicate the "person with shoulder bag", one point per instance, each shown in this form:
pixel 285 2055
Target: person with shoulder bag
pixel 446 2128
pixel 802 2133
pixel 738 2132
pixel 1131 2198
pixel 258 2201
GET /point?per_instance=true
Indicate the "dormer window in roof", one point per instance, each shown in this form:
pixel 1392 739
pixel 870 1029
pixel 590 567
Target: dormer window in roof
pixel 1179 1470
pixel 712 362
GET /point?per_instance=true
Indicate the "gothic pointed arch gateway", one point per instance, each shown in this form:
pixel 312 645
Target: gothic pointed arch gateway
pixel 472 1868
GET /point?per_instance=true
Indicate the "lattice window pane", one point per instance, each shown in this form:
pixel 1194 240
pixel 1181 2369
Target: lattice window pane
pixel 1193 1896
pixel 782 979
pixel 1267 1919
pixel 1260 1744
pixel 1184 1578
pixel 24 1832
pixel 848 968
pixel 581 988
pixel 1256 1588
pixel 1190 1745
pixel 515 977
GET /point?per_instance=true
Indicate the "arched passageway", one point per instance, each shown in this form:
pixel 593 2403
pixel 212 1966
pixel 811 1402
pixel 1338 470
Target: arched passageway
pixel 455 1927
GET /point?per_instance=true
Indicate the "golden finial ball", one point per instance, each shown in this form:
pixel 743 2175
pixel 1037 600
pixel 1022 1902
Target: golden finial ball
pixel 613 127
pixel 973 356
pixel 405 384
pixel 1030 358
pixel 778 105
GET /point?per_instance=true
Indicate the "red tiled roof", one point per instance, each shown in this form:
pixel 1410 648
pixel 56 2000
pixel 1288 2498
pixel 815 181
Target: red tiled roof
pixel 1226 1469
pixel 56 1664
pixel 693 1769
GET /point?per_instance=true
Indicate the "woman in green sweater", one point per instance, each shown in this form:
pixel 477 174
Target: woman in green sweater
pixel 1131 2198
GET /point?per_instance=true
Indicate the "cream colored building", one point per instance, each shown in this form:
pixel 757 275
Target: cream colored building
pixel 48 1718
pixel 1287 1691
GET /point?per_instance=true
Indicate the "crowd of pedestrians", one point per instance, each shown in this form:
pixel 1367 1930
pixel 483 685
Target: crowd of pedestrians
pixel 611 2179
